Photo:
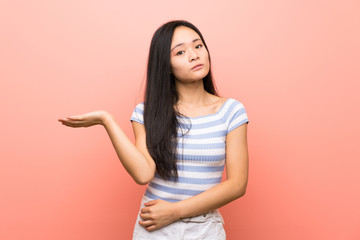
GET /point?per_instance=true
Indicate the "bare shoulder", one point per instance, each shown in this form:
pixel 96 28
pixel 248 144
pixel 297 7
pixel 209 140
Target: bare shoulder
pixel 216 101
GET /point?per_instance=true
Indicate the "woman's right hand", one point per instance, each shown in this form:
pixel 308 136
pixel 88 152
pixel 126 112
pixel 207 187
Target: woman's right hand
pixel 85 120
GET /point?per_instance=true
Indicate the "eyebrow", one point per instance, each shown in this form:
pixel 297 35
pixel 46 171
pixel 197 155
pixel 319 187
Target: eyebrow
pixel 197 39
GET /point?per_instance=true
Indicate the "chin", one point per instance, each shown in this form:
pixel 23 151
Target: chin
pixel 205 74
pixel 194 77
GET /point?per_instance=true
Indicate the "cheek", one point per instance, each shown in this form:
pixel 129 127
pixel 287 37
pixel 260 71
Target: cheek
pixel 175 66
pixel 206 62
pixel 206 56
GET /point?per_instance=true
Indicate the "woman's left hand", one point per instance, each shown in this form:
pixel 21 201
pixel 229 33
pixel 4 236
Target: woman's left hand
pixel 157 214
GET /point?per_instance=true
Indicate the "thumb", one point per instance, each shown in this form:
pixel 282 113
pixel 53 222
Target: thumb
pixel 74 117
pixel 150 203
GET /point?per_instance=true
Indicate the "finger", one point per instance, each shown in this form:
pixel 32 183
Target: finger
pixel 150 203
pixel 75 118
pixel 146 223
pixel 72 124
pixel 145 216
pixel 145 210
pixel 68 121
pixel 76 121
pixel 151 228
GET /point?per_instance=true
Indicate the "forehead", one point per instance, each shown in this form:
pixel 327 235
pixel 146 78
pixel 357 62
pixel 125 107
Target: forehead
pixel 183 34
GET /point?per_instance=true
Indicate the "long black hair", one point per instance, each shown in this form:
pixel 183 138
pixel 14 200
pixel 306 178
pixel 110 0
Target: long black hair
pixel 160 116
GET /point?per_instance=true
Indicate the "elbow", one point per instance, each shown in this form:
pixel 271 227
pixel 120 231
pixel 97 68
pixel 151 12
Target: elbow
pixel 145 175
pixel 238 194
pixel 143 179
pixel 141 183
pixel 240 191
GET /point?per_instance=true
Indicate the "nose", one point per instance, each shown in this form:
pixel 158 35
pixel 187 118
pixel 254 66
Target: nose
pixel 193 55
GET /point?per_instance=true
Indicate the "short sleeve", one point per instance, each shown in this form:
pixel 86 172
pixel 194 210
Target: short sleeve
pixel 237 117
pixel 138 114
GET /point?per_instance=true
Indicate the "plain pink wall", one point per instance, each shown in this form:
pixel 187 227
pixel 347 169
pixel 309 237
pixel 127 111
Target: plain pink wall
pixel 293 64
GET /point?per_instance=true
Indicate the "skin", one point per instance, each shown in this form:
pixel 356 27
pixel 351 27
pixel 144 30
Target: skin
pixel 187 51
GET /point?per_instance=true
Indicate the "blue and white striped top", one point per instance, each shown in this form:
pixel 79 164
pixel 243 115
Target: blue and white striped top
pixel 200 152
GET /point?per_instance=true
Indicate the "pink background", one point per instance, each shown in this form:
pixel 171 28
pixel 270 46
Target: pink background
pixel 293 64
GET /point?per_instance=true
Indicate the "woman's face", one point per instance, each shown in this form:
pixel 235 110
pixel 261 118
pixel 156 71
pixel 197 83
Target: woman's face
pixel 189 59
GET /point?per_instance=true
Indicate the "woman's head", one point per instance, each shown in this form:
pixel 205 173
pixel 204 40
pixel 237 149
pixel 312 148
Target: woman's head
pixel 166 65
pixel 189 58
pixel 161 61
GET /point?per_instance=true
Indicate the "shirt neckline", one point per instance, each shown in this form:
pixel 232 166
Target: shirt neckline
pixel 208 115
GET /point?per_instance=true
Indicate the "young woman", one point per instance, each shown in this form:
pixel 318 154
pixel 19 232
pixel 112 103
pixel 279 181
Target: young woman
pixel 185 135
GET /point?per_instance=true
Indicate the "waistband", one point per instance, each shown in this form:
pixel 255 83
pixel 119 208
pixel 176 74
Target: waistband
pixel 210 216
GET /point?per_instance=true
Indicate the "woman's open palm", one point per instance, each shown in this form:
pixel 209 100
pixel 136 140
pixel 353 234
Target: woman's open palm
pixel 84 120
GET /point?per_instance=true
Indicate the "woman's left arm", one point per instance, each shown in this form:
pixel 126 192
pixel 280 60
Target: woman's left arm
pixel 159 213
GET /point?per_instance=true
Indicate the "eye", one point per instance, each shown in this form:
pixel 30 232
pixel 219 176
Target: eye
pixel 199 46
pixel 179 53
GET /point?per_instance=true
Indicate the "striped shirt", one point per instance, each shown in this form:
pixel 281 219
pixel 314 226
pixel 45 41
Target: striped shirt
pixel 200 152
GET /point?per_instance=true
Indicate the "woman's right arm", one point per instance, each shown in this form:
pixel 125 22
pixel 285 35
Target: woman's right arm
pixel 135 158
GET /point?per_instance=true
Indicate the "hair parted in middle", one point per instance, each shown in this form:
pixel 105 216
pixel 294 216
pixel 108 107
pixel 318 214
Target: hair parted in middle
pixel 161 95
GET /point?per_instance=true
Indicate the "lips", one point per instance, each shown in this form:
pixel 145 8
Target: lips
pixel 196 67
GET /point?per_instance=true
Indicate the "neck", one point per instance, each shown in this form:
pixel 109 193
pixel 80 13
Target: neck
pixel 191 93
